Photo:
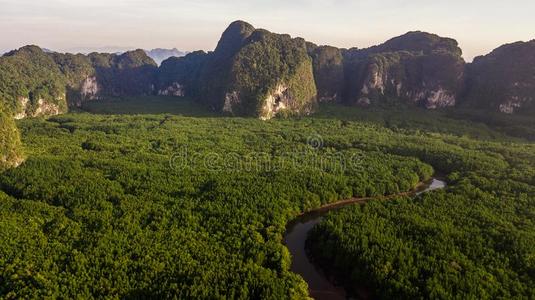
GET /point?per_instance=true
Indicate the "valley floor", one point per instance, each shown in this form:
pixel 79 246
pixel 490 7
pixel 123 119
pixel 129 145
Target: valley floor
pixel 180 203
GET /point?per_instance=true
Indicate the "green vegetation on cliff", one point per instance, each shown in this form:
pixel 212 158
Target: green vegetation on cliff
pixel 328 67
pixel 249 66
pixel 36 83
pixel 418 41
pixel 10 144
pixel 215 74
pixel 27 76
pixel 182 71
pixel 132 73
pixel 269 64
pixel 504 79
pixel 417 68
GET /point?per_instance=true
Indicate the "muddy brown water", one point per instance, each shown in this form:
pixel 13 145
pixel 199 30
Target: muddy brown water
pixel 320 287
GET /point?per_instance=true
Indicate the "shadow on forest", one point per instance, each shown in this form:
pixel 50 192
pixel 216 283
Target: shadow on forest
pixel 149 105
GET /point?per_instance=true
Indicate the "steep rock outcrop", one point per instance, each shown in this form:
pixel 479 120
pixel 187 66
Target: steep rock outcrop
pixel 418 41
pixel 98 75
pixel 31 83
pixel 259 73
pixel 180 76
pixel 132 73
pixel 89 89
pixel 215 75
pixel 503 80
pixel 328 65
pixel 417 68
pixel 38 108
pixel 10 144
pixel 80 76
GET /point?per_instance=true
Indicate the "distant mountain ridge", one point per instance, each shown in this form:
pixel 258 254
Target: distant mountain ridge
pixel 157 54
pixel 254 72
pixel 160 54
pixel 416 68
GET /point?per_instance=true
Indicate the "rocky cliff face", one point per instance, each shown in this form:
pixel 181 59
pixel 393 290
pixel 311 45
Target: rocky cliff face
pixel 90 89
pixel 503 80
pixel 215 75
pixel 10 144
pixel 180 76
pixel 80 75
pixel 132 73
pixel 418 68
pixel 36 83
pixel 37 108
pixel 328 64
pixel 99 75
pixel 254 72
pixel 259 73
pixel 31 83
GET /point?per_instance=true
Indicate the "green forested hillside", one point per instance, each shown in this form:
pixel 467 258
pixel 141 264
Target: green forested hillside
pixel 254 72
pixel 503 79
pixel 181 75
pixel 28 75
pixel 188 207
pixel 132 73
pixel 36 83
pixel 272 65
pixel 10 144
pixel 415 68
pixel 328 65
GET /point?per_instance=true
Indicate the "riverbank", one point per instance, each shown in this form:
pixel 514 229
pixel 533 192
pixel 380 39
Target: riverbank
pixel 320 286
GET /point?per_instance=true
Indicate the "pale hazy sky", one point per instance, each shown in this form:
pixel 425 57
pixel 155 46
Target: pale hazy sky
pixel 478 25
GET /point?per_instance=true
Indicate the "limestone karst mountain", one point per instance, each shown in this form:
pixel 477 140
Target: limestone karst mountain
pixel 36 83
pixel 418 67
pixel 253 72
pixel 328 63
pixel 31 83
pixel 503 80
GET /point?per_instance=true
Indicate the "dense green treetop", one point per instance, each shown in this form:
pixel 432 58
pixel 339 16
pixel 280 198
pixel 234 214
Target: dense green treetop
pixel 140 206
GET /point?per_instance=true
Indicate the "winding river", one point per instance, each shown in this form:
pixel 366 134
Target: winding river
pixel 320 287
